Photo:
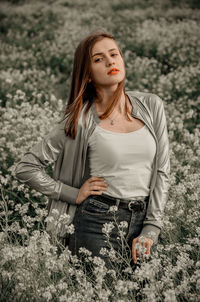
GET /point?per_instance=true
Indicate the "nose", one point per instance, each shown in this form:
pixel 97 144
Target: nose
pixel 109 62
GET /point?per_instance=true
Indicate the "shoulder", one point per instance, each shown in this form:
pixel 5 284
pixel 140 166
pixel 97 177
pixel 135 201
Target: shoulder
pixel 57 129
pixel 150 100
pixel 56 135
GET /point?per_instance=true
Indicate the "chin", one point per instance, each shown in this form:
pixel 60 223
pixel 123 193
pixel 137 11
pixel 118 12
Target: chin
pixel 110 81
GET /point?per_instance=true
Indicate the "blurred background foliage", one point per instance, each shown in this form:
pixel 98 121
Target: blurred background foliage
pixel 160 41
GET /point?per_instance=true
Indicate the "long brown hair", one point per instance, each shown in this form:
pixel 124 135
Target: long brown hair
pixel 82 91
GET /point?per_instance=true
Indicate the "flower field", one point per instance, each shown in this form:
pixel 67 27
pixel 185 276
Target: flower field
pixel 160 41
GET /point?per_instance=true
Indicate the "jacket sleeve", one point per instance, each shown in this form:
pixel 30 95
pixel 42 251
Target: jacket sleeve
pixel 31 168
pixel 153 220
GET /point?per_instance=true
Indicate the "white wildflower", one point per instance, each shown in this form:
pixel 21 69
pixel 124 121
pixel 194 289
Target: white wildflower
pixel 83 250
pixel 121 287
pixel 103 251
pixel 112 255
pixel 113 209
pixel 170 296
pixel 49 219
pixel 141 248
pixel 70 228
pixel 55 212
pixel 123 224
pixel 142 239
pixel 107 228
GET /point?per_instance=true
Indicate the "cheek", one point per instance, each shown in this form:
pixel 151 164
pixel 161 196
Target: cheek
pixel 123 64
pixel 124 69
pixel 96 71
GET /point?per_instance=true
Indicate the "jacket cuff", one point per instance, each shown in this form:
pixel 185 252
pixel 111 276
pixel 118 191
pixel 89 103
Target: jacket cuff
pixel 151 231
pixel 68 194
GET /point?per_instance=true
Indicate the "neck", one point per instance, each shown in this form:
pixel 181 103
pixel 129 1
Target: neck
pixel 119 109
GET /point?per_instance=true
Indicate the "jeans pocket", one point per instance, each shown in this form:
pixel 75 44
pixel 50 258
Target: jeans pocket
pixel 95 207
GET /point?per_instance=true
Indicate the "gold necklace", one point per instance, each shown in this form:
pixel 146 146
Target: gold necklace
pixel 112 120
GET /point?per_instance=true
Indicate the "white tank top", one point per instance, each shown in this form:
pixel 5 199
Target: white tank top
pixel 125 160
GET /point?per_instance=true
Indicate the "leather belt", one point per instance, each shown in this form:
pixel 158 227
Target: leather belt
pixel 137 203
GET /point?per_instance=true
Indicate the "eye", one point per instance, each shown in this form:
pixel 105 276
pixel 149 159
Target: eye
pixel 97 60
pixel 113 54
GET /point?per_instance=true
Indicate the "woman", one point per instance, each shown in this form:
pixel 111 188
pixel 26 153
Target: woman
pixel 111 148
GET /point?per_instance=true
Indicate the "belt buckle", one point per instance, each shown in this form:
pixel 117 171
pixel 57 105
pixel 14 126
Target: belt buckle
pixel 138 205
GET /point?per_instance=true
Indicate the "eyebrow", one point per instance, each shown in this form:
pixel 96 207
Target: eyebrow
pixel 100 53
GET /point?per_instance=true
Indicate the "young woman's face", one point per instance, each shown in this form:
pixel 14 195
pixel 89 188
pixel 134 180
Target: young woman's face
pixel 105 56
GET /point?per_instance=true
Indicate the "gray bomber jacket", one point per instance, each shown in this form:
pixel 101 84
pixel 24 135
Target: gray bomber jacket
pixel 71 168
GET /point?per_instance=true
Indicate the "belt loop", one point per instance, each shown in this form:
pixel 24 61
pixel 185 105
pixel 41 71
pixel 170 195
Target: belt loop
pixel 117 202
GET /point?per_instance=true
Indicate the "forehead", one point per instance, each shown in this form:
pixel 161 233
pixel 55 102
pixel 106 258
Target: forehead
pixel 104 45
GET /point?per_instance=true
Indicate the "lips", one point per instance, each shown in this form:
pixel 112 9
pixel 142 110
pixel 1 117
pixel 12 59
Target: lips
pixel 113 70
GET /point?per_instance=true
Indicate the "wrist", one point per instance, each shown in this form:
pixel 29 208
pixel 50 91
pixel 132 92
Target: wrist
pixel 77 198
pixel 150 231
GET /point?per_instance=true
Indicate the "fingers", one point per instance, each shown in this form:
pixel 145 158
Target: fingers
pixel 147 244
pixel 134 251
pixel 148 247
pixel 100 187
pixel 92 186
pixel 97 185
pixel 93 178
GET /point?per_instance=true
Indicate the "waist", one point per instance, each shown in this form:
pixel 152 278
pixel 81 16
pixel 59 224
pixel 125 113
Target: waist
pixel 137 203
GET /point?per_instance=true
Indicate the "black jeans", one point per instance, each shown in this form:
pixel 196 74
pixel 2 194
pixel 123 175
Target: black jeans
pixel 89 219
